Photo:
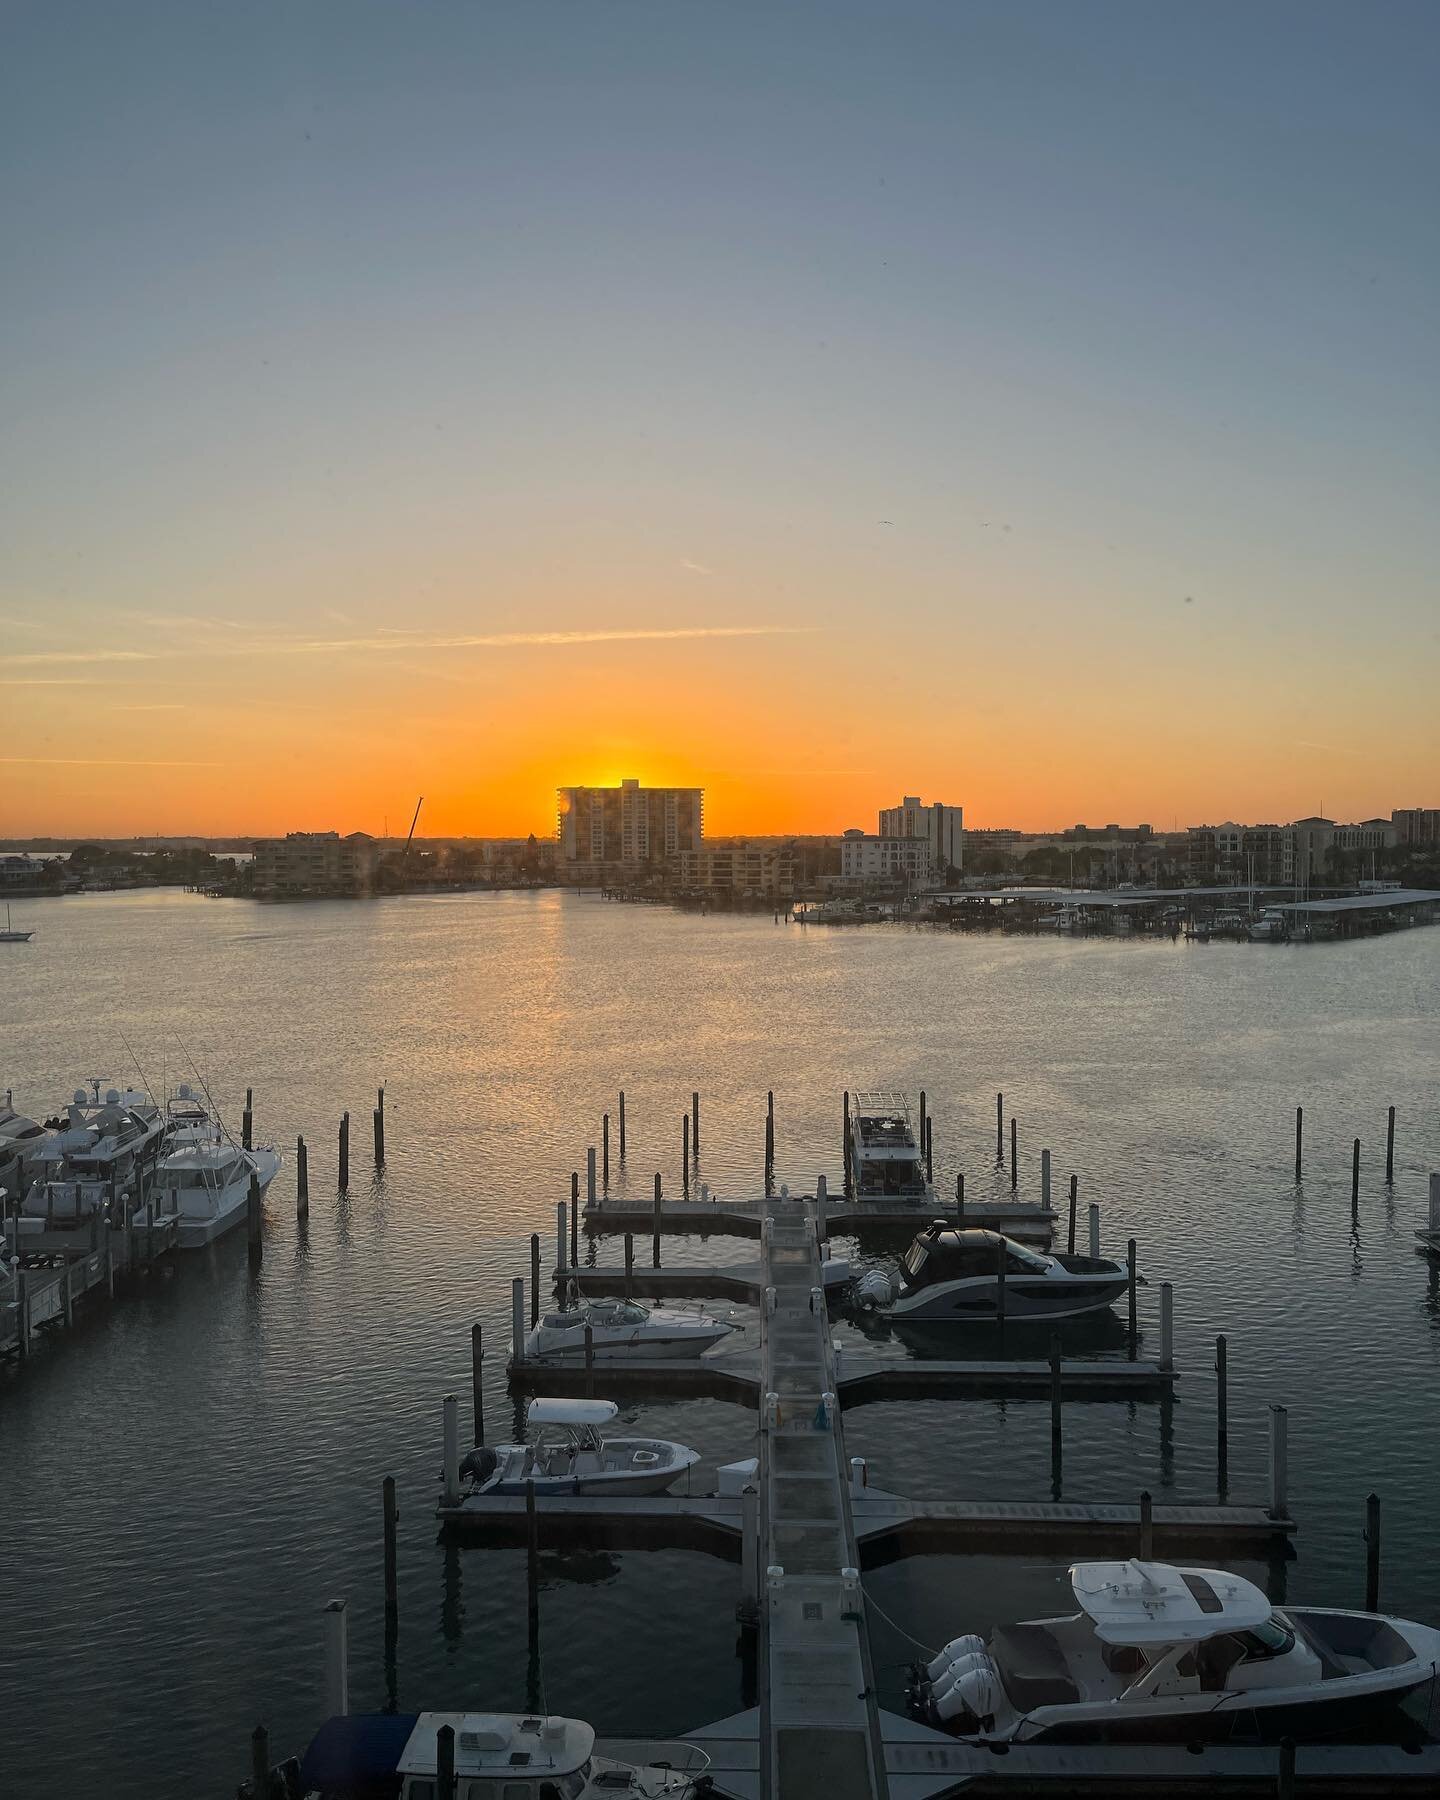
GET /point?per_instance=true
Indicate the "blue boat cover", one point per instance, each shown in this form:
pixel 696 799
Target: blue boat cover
pixel 356 1756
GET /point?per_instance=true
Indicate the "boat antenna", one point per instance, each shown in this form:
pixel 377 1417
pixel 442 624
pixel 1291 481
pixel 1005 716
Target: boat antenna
pixel 219 1120
pixel 138 1070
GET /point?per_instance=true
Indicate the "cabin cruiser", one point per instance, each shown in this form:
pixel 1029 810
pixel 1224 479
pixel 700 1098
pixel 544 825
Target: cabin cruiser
pixel 97 1153
pixel 205 1186
pixel 498 1756
pixel 568 1455
pixel 885 1159
pixel 953 1274
pixel 1158 1653
pixel 623 1327
pixel 21 1140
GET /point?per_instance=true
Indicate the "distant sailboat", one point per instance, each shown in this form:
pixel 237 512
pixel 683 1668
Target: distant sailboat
pixel 10 936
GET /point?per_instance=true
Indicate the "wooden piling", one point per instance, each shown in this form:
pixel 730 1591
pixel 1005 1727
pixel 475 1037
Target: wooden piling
pixel 1355 1176
pixel 1000 1280
pixel 695 1125
pixel 1045 1178
pixel 260 1763
pixel 1390 1148
pixel 574 1229
pixel 1074 1200
pixel 1167 1326
pixel 960 1200
pixel 589 1362
pixel 1094 1228
pixel 477 1388
pixel 1000 1128
pixel 1222 1404
pixel 845 1141
pixel 1147 1527
pixel 247 1121
pixel 392 1603
pixel 605 1152
pixel 655 1227
pixel 1130 1287
pixel 622 1125
pixel 517 1319
pixel 534 1279
pixel 1056 1396
pixel 252 1211
pixel 924 1118
pixel 629 1265
pixel 1299 1142
pixel 930 1150
pixel 1014 1157
pixel 769 1140
pixel 344 1152
pixel 1279 1462
pixel 1372 1553
pixel 685 1155
pixel 380 1129
pixel 445 1756
pixel 302 1179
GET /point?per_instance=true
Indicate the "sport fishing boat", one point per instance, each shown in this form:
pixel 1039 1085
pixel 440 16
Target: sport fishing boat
pixel 954 1274
pixel 623 1328
pixel 567 1454
pixel 885 1159
pixel 498 1756
pixel 1164 1654
pixel 205 1186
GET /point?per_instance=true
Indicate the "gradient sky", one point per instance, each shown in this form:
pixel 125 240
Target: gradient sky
pixel 1042 397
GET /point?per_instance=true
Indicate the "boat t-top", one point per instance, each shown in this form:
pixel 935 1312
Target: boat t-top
pixel 952 1273
pixel 203 1178
pixel 567 1454
pixel 498 1756
pixel 885 1159
pixel 623 1328
pixel 1158 1653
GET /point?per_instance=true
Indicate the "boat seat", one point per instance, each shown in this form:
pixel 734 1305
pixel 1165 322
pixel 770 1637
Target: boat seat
pixel 1032 1666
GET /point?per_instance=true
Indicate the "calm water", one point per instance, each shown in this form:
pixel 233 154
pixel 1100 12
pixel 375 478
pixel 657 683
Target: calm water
pixel 188 1477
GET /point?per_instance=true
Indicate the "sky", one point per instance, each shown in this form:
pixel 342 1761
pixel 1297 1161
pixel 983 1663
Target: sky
pixel 1028 405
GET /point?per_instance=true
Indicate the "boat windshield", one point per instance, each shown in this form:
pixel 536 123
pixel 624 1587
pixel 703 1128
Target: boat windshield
pixel 915 1257
pixel 1018 1257
pixel 1274 1638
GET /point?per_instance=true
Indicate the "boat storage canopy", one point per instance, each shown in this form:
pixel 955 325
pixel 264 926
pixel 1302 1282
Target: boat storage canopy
pixel 1154 1603
pixel 573 1412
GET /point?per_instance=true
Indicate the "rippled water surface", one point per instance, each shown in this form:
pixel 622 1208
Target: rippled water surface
pixel 188 1476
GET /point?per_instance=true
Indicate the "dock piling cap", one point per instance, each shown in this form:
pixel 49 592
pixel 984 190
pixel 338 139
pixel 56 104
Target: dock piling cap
pixel 552 1410
pixel 1139 1602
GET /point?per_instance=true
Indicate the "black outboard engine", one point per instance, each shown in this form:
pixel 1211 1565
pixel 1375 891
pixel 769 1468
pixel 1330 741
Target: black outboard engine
pixel 479 1464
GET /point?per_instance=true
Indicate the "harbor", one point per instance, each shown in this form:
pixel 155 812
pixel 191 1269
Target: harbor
pixel 360 1312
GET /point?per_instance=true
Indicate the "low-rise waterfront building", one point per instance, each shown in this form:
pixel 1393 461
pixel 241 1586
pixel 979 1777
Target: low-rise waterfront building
pixel 887 861
pixel 309 863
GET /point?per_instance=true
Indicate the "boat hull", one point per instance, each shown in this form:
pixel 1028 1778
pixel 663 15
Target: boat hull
pixel 1037 1298
pixel 198 1232
pixel 620 1349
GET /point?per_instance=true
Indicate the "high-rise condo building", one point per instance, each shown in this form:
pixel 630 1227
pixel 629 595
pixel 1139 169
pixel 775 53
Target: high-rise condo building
pixel 942 827
pixel 628 825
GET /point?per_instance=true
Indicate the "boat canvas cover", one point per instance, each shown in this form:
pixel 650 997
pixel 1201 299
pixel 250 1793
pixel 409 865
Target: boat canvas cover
pixel 357 1755
pixel 571 1412
pixel 1152 1603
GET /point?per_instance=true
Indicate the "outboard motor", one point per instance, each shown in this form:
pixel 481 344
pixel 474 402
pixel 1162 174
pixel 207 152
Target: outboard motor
pixel 875 1289
pixel 479 1464
pixel 972 1701
pixel 953 1651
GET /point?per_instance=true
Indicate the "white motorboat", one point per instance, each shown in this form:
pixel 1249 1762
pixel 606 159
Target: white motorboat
pixel 21 1141
pixel 885 1159
pixel 10 935
pixel 953 1274
pixel 1271 927
pixel 206 1187
pixel 1158 1653
pixel 567 1454
pixel 102 1151
pixel 623 1328
pixel 498 1756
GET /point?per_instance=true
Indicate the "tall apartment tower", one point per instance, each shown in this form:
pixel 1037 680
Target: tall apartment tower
pixel 943 826
pixel 629 824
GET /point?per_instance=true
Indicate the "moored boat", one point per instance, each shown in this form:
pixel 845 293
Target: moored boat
pixel 1157 1653
pixel 567 1454
pixel 953 1274
pixel 623 1328
pixel 885 1157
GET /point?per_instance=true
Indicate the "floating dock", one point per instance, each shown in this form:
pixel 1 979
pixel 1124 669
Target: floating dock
pixel 841 1215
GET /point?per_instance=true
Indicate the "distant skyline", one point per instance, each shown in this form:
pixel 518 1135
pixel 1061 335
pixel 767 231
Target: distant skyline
pixel 1027 405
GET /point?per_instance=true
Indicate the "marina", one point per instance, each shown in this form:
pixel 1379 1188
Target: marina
pixel 960 1517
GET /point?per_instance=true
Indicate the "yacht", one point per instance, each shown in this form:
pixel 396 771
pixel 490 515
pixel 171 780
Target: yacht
pixel 953 1274
pixel 1159 1653
pixel 9 935
pixel 885 1160
pixel 205 1186
pixel 623 1327
pixel 1271 927
pixel 567 1454
pixel 498 1756
pixel 21 1140
pixel 101 1150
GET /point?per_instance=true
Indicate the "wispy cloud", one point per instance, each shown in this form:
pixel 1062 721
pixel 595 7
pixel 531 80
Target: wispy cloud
pixel 160 706
pixel 694 567
pixel 412 641
pixel 54 681
pixel 103 762
pixel 154 621
pixel 340 618
pixel 11 622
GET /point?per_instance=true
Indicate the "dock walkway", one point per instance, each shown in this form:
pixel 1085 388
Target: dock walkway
pixel 839 1214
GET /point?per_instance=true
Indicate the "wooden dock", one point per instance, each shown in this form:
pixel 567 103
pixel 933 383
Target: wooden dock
pixel 58 1268
pixel 841 1215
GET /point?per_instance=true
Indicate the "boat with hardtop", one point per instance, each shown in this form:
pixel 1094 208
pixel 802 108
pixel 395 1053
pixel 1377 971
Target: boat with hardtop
pixel 567 1453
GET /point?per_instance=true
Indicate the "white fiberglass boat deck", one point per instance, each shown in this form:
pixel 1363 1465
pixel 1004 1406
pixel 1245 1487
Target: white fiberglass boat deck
pixel 568 1455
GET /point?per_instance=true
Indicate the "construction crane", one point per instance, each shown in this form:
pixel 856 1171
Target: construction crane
pixel 405 853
